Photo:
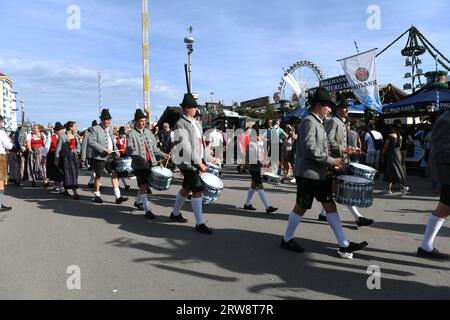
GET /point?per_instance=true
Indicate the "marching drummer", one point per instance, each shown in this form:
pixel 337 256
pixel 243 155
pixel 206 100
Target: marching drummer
pixel 312 176
pixel 337 133
pixel 188 153
pixel 142 148
pixel 121 143
pixel 254 159
pixel 102 152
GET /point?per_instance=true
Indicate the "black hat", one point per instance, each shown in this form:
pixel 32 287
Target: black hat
pixel 189 101
pixel 139 115
pixel 105 115
pixel 94 123
pixel 122 130
pixel 321 95
pixel 58 126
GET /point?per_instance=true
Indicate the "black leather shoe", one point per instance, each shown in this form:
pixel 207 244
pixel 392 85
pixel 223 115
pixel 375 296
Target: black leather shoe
pixel 203 228
pixel 179 218
pixel 249 208
pixel 292 245
pixel 121 199
pixel 5 208
pixel 271 210
pixel 364 222
pixel 149 215
pixel 90 185
pixel 139 206
pixel 127 188
pixel 98 200
pixel 322 218
pixel 354 247
pixel 435 254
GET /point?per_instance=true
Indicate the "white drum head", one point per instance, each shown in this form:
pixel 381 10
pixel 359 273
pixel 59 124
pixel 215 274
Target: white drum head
pixel 362 166
pixel 212 181
pixel 163 172
pixel 270 174
pixel 354 179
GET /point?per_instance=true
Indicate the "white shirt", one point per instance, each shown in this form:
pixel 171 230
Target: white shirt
pixel 5 142
pixel 369 140
pixel 216 139
pixel 110 142
pixel 199 137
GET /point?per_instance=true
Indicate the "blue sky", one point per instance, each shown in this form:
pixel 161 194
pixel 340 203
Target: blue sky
pixel 240 49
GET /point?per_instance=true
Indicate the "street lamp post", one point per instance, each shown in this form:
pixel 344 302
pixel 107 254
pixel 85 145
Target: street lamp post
pixel 189 41
pixel 23 111
pixel 212 94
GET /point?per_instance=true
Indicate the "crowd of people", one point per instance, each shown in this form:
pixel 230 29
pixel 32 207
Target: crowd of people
pixel 309 154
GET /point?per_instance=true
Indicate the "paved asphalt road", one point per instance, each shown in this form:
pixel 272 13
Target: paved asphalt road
pixel 123 256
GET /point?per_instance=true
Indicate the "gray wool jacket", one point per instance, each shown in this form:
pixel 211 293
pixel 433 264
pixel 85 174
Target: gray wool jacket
pixel 136 143
pixel 63 148
pixel 85 145
pixel 313 161
pixel 337 136
pixel 186 153
pixel 98 142
pixel 440 150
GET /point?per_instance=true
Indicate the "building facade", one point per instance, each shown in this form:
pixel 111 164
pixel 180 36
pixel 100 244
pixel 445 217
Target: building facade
pixel 8 103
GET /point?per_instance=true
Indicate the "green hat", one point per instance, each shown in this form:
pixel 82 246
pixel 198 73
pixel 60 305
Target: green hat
pixel 321 95
pixel 105 115
pixel 342 102
pixel 122 130
pixel 58 126
pixel 139 114
pixel 189 101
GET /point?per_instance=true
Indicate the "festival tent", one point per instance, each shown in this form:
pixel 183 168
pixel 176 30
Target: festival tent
pixel 417 103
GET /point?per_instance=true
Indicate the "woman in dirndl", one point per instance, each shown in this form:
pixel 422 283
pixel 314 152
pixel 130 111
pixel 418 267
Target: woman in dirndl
pixel 54 173
pixel 36 164
pixel 67 151
pixel 14 174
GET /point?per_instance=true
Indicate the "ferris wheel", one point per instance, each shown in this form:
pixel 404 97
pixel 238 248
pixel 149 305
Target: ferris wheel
pixel 296 81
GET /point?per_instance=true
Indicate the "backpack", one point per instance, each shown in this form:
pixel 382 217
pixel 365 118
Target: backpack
pixel 378 143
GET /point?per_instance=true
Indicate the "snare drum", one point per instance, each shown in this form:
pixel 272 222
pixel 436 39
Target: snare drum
pixel 161 179
pixel 215 170
pixel 354 191
pixel 271 178
pixel 363 171
pixel 213 187
pixel 123 166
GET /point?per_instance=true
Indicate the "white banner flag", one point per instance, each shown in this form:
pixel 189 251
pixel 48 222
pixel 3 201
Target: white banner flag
pixel 361 74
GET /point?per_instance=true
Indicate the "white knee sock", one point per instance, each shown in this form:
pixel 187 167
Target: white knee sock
pixel 262 195
pixel 97 194
pixel 2 192
pixel 179 202
pixel 323 213
pixel 335 222
pixel 124 181
pixel 144 201
pixel 197 207
pixel 433 227
pixel 117 193
pixel 354 212
pixel 294 221
pixel 250 194
pixel 138 198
